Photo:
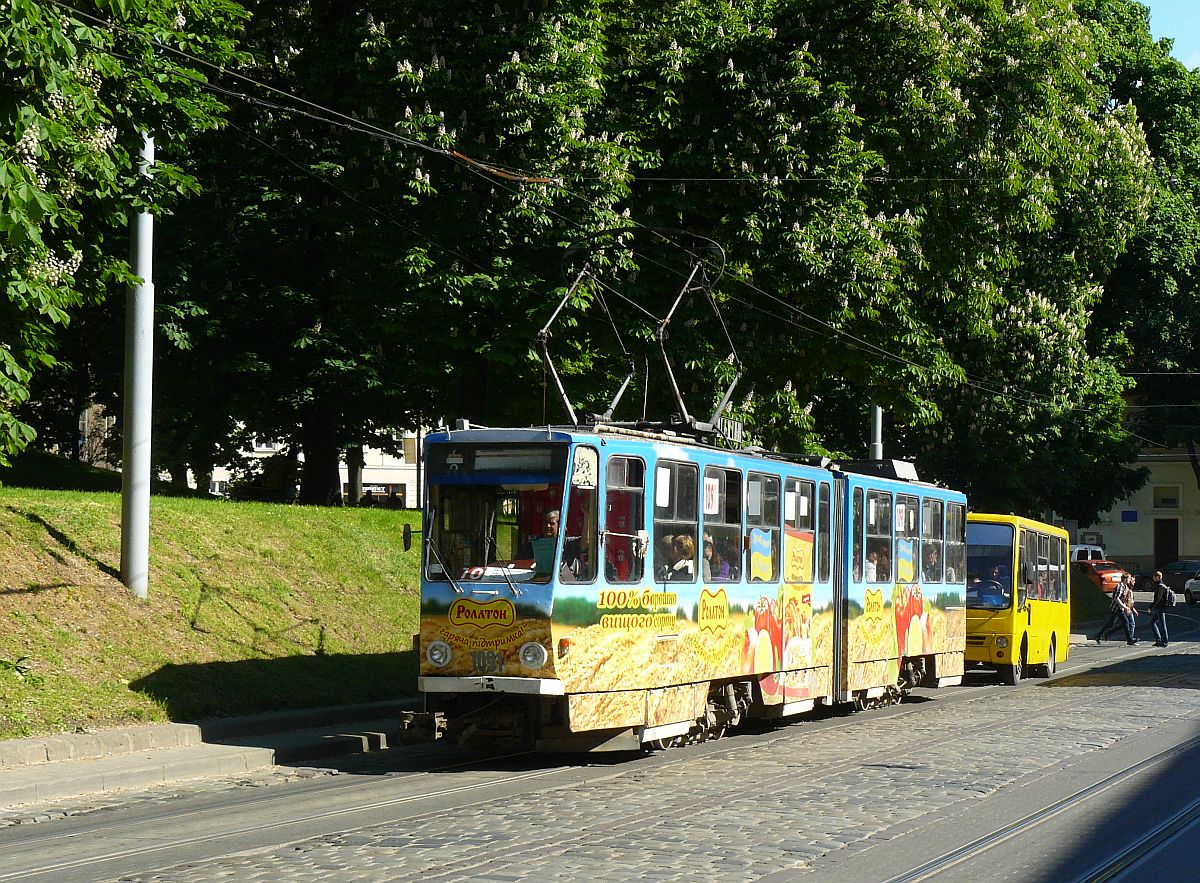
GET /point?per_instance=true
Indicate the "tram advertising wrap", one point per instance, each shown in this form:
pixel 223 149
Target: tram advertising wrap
pixel 614 587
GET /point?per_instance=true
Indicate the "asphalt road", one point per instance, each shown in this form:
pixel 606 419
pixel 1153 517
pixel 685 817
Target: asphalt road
pixel 1092 775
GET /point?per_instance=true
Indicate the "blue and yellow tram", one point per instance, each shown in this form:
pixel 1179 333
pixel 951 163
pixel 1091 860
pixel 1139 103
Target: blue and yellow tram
pixel 612 587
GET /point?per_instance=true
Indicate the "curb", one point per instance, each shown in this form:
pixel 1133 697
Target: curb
pixel 17 753
pixel 74 764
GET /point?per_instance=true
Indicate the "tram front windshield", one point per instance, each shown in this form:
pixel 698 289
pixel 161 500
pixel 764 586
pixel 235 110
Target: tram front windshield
pixel 495 511
pixel 989 566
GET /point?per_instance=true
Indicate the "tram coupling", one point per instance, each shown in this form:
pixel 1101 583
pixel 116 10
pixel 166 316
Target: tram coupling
pixel 421 726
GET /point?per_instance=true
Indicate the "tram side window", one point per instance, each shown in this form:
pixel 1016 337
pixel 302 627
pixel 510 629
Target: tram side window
pixel 799 518
pixel 721 552
pixel 956 543
pixel 824 559
pixel 908 536
pixel 879 537
pixel 580 530
pixel 932 540
pixel 762 520
pixel 856 548
pixel 675 521
pixel 626 479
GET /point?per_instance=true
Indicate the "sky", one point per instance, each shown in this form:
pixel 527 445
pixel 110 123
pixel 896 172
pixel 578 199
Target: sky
pixel 1179 20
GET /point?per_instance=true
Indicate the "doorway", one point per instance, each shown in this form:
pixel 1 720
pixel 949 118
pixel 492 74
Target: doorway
pixel 1166 541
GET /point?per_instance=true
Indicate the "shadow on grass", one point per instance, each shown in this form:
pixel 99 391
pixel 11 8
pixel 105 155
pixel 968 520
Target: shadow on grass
pixel 65 541
pixel 195 691
pixel 36 588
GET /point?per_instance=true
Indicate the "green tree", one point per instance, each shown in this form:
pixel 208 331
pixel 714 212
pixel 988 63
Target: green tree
pixel 915 199
pixel 81 84
pixel 1150 311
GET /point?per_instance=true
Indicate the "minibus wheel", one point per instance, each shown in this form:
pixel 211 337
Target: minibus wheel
pixel 1012 674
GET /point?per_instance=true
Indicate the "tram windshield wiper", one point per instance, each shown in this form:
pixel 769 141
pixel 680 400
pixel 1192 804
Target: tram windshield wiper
pixel 490 540
pixel 433 550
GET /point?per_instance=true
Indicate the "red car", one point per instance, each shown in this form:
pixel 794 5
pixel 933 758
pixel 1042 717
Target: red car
pixel 1105 574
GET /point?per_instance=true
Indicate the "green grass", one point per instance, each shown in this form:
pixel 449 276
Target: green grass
pixel 252 607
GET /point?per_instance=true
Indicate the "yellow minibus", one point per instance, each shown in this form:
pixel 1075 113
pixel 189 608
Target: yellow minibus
pixel 1018 596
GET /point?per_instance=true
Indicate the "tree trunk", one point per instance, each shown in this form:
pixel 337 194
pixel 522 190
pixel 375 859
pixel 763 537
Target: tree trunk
pixel 354 471
pixel 179 475
pixel 203 473
pixel 320 481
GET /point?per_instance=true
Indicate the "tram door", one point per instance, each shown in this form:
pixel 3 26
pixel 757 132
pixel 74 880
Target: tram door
pixel 807 596
pixel 841 573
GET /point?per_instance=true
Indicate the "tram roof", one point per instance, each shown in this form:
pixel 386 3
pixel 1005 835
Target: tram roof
pixel 895 470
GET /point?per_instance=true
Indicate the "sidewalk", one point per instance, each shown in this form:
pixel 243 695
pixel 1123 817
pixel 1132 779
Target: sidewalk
pixel 73 764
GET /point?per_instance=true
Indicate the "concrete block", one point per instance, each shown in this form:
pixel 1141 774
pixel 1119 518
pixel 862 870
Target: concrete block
pixel 115 742
pixel 247 759
pixel 22 752
pixel 59 748
pixel 80 780
pixel 157 736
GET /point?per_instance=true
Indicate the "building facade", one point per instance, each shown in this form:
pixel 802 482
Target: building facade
pixel 1159 523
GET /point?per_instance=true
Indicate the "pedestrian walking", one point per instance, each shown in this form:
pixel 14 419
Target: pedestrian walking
pixel 1164 597
pixel 1119 612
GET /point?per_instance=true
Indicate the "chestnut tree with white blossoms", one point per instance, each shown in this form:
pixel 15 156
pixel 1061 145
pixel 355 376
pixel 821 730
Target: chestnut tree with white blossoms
pixel 81 82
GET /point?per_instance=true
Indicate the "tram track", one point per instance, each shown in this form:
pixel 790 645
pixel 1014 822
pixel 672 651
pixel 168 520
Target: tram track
pixel 39 855
pixel 1106 870
pixel 281 817
pixel 1133 857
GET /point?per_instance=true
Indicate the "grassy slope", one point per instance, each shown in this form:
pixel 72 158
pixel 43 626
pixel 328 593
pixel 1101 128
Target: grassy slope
pixel 252 607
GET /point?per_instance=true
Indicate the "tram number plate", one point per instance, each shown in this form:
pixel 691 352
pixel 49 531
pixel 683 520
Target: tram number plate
pixel 486 662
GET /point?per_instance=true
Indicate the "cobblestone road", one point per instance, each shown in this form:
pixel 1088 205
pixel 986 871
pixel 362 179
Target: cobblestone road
pixel 751 810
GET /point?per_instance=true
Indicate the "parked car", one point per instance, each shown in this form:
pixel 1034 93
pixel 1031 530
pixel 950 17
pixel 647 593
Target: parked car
pixel 1104 574
pixel 1176 574
pixel 1085 552
pixel 1191 591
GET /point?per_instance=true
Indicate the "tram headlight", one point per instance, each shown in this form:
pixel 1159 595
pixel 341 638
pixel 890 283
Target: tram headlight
pixel 438 653
pixel 533 655
pixel 1002 642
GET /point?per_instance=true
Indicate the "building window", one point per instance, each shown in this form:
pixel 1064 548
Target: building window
pixel 1166 496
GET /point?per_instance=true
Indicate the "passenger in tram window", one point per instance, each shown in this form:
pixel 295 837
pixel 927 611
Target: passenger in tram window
pixel 715 564
pixel 872 566
pixel 883 570
pixel 933 563
pixel 706 562
pixel 664 555
pixel 683 549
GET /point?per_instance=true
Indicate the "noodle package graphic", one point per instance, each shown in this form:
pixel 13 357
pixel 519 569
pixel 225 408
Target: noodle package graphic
pixel 761 556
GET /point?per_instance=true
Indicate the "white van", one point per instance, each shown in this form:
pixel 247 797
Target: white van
pixel 1087 553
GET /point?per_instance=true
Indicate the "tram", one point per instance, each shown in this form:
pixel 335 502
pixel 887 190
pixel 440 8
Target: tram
pixel 618 586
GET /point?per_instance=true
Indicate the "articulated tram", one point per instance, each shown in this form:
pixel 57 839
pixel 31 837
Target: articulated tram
pixel 617 586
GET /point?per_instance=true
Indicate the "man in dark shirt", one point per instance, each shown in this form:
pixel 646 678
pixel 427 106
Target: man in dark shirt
pixel 1164 597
